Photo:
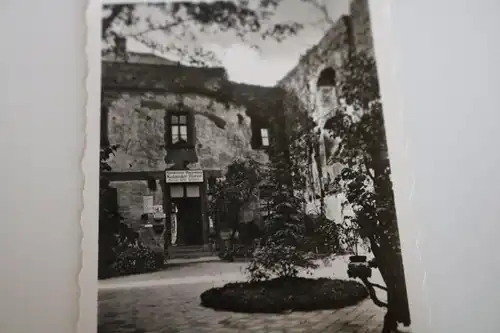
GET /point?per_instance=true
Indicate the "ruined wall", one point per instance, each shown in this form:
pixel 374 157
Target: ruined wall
pixel 350 33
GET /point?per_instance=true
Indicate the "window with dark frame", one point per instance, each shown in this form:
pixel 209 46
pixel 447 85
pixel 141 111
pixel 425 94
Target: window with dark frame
pixel 185 191
pixel 178 128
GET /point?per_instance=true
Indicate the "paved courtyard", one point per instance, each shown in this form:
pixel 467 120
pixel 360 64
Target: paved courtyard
pixel 169 302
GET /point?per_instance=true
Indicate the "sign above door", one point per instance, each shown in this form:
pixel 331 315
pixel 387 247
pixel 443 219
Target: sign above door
pixel 184 176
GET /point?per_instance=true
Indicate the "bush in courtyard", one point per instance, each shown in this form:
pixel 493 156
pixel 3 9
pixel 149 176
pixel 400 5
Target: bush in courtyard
pixel 323 234
pixel 277 259
pixel 235 252
pixel 285 294
pixel 137 259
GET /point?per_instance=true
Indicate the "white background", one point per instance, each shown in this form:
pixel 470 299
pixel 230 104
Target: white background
pixel 440 73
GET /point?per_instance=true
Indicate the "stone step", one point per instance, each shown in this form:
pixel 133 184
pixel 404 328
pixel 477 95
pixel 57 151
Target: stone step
pixel 183 249
pixel 190 255
pixel 189 252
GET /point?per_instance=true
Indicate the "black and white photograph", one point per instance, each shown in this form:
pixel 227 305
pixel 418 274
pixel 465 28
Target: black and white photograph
pixel 245 180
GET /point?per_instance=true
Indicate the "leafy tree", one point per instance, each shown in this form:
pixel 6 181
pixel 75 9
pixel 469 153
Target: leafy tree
pixel 231 194
pixel 323 235
pixel 365 181
pixel 283 248
pixel 181 21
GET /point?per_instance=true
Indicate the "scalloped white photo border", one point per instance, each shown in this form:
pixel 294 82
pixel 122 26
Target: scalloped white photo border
pixel 386 57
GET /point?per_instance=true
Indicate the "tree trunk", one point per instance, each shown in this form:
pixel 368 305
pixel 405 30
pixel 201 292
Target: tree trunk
pixel 388 254
pixel 392 271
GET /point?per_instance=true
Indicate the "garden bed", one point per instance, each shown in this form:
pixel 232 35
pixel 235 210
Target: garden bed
pixel 284 294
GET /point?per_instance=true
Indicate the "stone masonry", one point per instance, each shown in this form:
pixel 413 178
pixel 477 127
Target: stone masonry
pixel 312 81
pixel 136 124
pixel 225 119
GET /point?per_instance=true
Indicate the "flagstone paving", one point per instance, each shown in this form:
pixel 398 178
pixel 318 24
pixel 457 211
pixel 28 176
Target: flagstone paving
pixel 165 302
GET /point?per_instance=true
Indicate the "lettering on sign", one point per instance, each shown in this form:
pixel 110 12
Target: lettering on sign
pixel 184 176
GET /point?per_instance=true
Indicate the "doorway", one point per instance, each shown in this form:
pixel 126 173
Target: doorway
pixel 187 203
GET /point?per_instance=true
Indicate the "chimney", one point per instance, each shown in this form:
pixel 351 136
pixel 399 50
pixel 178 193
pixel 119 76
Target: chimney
pixel 121 48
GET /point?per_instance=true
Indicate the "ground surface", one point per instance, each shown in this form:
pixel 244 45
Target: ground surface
pixel 169 302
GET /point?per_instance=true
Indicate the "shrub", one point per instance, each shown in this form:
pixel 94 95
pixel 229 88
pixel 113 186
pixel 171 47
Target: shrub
pixel 236 252
pixel 278 260
pixel 137 259
pixel 284 294
pixel 323 235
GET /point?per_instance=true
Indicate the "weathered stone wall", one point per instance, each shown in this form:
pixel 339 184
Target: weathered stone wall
pixel 361 26
pixel 350 33
pixel 223 133
pixel 130 199
pixel 136 123
pixel 139 133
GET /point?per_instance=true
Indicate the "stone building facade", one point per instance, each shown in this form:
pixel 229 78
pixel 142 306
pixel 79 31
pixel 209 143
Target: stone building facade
pixel 177 128
pixel 313 83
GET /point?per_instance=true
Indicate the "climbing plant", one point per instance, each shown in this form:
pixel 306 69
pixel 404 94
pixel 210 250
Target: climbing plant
pixel 283 250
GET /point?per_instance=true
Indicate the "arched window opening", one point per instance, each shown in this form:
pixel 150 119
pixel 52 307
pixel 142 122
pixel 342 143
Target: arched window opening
pixel 327 78
pixel 326 90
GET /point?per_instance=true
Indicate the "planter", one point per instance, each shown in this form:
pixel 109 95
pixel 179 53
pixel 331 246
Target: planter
pixel 373 263
pixel 158 228
pixel 359 270
pixel 357 258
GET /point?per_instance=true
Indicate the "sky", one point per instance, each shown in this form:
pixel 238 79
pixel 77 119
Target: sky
pixel 272 60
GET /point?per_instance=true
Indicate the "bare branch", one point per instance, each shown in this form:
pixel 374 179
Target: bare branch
pixel 373 295
pixel 163 28
pixel 323 9
pixel 376 285
pixel 116 11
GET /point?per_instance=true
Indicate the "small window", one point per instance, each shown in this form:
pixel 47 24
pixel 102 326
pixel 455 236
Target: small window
pixel 192 191
pixel 178 128
pixel 184 191
pixel 264 136
pixel 177 191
